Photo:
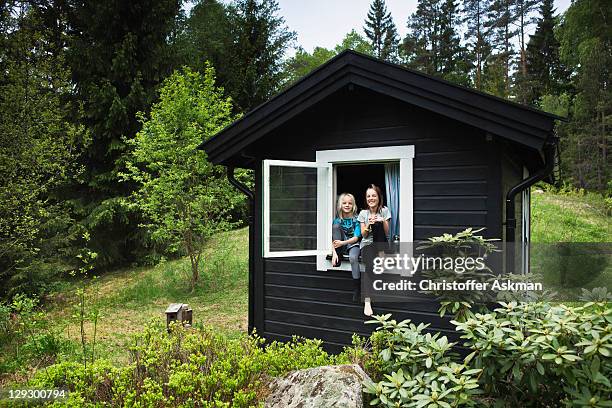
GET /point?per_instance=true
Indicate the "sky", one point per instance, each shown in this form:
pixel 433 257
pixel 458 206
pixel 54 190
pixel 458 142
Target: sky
pixel 325 22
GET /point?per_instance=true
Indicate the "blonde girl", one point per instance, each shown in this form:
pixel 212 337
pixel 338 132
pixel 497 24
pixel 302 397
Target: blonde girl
pixel 346 233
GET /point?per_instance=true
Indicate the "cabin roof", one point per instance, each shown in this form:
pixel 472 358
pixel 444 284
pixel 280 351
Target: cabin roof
pixel 518 123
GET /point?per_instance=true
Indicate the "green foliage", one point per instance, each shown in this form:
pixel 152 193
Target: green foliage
pixel 477 36
pixel 184 199
pixel 417 369
pixel 38 150
pixel 302 63
pixel 26 337
pixel 185 367
pixel 585 49
pixel 118 56
pixel 537 354
pixel 381 31
pixel 547 75
pixel 245 40
pixel 462 245
pixel 356 42
pixel 522 354
pixel 433 44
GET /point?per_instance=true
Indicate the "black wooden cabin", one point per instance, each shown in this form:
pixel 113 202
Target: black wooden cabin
pixel 465 159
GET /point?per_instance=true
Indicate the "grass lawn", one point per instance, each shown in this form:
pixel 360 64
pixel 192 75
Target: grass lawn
pixel 129 298
pixel 569 218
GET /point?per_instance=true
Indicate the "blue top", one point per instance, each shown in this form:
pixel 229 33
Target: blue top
pixel 350 228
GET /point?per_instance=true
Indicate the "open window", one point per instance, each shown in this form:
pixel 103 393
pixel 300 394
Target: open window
pixel 296 197
pixel 300 197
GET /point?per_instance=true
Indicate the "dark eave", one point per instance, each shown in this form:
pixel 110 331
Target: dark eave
pixel 518 123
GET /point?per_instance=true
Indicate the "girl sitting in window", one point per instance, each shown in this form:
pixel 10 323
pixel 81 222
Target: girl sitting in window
pixel 346 233
pixel 374 221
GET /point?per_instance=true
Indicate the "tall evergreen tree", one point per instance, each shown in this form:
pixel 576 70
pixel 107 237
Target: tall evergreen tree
pixel 420 46
pixel 205 35
pixel 545 73
pixel 432 43
pixel 524 18
pixel 254 64
pixel 381 31
pixel 453 64
pixel 244 40
pixel 118 54
pixel 390 51
pixel 477 35
pixel 501 23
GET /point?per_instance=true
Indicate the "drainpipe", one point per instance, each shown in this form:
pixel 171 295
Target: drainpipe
pixel 245 190
pixel 549 165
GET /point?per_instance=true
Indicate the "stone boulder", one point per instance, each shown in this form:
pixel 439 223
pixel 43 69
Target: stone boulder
pixel 319 387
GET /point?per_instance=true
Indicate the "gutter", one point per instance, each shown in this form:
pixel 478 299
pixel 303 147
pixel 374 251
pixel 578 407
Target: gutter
pixel 550 148
pixel 251 197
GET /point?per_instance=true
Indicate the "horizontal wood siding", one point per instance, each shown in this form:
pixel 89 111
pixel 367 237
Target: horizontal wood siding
pixel 455 183
pixel 299 300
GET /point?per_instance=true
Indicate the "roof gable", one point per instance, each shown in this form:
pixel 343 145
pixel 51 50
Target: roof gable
pixel 497 116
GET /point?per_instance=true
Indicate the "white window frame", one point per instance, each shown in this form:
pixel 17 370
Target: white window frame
pixel 324 176
pixel 403 154
pixel 325 160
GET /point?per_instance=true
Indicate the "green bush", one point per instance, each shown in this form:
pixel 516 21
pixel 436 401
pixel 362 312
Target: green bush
pixel 25 336
pixel 186 367
pixel 538 354
pixel 521 354
pixel 417 369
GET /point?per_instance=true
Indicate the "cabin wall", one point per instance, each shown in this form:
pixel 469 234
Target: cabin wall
pixel 456 183
pixel 512 174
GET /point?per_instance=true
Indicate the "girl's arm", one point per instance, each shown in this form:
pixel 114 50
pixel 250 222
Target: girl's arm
pixel 351 241
pixel 364 230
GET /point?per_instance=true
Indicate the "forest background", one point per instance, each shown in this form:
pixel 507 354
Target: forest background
pixel 102 104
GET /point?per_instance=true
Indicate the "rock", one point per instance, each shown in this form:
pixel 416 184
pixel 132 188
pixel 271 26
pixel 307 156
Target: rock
pixel 319 387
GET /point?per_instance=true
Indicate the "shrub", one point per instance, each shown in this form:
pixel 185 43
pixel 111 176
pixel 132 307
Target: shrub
pixel 521 354
pixel 25 336
pixel 186 367
pixel 417 369
pixel 540 354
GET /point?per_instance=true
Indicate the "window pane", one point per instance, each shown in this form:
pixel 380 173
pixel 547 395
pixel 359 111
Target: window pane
pixel 293 208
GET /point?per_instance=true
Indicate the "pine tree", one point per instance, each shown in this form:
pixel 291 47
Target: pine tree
pixel 545 72
pixel 254 64
pixel 381 31
pixel 477 34
pixel 453 63
pixel 420 46
pixel 390 51
pixel 245 41
pixel 523 12
pixel 432 44
pixel 117 52
pixel 501 23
